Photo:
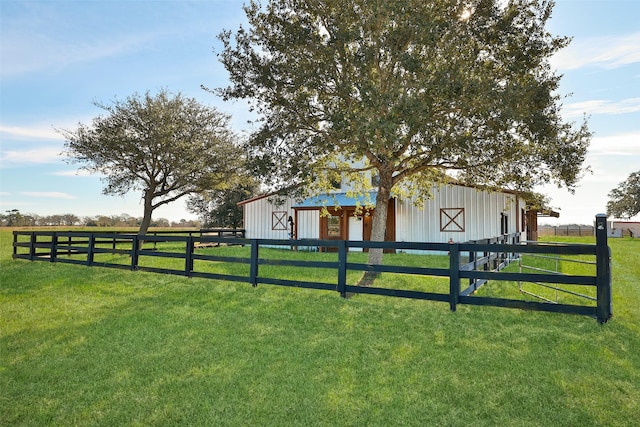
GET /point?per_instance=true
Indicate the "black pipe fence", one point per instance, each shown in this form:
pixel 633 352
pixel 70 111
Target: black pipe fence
pixel 472 263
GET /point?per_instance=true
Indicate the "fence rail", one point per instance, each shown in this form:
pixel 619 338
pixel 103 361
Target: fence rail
pixel 471 263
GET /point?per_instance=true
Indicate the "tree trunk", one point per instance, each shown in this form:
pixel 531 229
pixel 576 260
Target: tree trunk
pixel 146 218
pixel 378 227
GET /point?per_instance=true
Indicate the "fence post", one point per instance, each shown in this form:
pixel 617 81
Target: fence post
pixel 342 267
pixel 54 247
pixel 253 270
pixel 32 246
pixel 90 249
pixel 135 248
pixel 604 308
pixel 454 275
pixel 189 256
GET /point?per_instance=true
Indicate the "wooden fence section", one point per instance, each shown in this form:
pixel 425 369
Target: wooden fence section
pixel 471 263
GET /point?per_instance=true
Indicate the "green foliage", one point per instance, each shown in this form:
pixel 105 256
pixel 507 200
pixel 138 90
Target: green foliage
pixel 164 145
pixel 13 218
pixel 422 91
pixel 219 208
pixel 624 201
pixel 416 88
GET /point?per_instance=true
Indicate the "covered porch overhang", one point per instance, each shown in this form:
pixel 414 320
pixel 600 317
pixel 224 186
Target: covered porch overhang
pixel 329 200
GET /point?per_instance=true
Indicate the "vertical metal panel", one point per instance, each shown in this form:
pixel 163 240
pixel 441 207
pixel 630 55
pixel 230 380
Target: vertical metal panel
pixel 308 224
pixel 482 211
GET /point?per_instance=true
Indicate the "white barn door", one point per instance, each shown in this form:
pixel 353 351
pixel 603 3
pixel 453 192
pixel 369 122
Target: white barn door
pixel 355 230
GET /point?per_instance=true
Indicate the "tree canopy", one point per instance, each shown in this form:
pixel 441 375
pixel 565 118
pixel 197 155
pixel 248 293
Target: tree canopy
pixel 424 91
pixel 164 145
pixel 220 208
pixel 624 200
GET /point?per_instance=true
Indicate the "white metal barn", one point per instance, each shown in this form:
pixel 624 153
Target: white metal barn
pixel 454 213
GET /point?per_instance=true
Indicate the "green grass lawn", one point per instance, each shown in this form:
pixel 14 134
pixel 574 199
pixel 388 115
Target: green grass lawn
pixel 98 346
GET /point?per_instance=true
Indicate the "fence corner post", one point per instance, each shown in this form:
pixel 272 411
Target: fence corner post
pixel 342 268
pixel 604 309
pixel 454 275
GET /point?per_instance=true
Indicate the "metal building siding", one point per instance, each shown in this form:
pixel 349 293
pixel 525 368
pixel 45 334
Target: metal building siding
pixel 258 217
pixel 308 224
pixel 258 220
pixel 482 217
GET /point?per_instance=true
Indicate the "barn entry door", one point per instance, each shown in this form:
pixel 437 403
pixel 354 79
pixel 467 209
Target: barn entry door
pixel 355 230
pixel 341 224
pixel 333 227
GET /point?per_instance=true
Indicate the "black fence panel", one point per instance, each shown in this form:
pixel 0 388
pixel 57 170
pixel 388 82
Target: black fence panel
pixel 475 263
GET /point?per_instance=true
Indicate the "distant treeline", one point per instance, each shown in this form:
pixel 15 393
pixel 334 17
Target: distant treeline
pixel 14 218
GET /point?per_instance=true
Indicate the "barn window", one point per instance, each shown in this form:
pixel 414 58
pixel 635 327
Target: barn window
pixel 279 220
pixel 452 219
pixel 504 223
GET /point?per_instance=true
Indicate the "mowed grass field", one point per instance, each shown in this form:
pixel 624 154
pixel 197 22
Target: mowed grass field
pixel 97 346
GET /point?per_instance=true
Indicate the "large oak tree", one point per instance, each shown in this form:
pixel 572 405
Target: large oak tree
pixel 422 90
pixel 164 145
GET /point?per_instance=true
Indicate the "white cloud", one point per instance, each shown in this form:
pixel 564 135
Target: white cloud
pixel 35 52
pixel 605 52
pixel 42 155
pixel 625 144
pixel 74 173
pixel 601 106
pixel 29 133
pixel 49 194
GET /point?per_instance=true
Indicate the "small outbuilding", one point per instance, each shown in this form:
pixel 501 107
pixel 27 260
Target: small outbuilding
pixel 455 212
pixel 623 229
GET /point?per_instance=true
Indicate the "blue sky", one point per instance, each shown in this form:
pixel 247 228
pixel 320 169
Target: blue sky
pixel 57 57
